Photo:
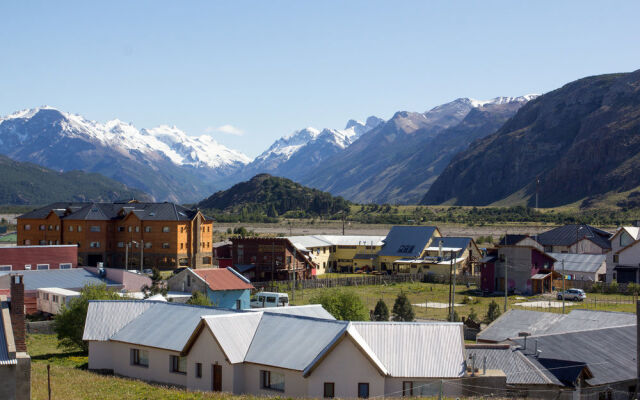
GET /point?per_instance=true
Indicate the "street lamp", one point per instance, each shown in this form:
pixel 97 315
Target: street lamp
pixel 141 253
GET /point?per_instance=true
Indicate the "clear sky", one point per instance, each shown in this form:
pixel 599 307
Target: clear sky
pixel 250 72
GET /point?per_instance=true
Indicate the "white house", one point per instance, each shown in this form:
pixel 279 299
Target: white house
pixel 265 353
pixel 50 300
pixel 623 261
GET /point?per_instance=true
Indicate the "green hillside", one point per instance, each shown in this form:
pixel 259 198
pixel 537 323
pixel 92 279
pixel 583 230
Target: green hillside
pixel 26 183
pixel 273 196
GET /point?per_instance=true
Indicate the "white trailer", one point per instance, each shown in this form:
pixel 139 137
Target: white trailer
pixel 50 300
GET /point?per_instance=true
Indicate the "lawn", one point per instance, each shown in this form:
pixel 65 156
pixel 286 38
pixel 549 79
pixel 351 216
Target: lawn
pixel 419 293
pixel 71 380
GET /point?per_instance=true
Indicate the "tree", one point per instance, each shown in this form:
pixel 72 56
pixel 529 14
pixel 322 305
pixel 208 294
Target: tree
pixel 493 312
pixel 472 315
pixel 69 323
pixel 381 312
pixel 456 317
pixel 342 304
pixel 199 299
pixel 402 309
pixel 157 285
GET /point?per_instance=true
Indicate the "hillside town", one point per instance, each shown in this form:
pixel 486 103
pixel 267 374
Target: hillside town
pixel 158 257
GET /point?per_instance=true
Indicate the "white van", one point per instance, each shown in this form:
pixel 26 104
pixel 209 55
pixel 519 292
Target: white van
pixel 269 299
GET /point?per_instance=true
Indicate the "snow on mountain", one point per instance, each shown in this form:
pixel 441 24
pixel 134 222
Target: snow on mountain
pixel 181 149
pixel 503 100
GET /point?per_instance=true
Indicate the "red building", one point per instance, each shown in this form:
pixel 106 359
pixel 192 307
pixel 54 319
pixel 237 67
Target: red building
pixel 222 254
pixel 264 259
pixel 20 258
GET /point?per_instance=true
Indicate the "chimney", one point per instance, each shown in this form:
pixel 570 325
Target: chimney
pixel 17 312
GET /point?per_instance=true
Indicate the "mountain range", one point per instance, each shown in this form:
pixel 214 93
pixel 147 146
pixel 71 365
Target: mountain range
pixel 578 143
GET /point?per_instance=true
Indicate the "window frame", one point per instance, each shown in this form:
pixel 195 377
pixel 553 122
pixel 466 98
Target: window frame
pixel 42 265
pixel 265 381
pixel 94 228
pixel 198 370
pixel 407 392
pixel 333 390
pixel 6 267
pixel 176 362
pixel 363 384
pixel 166 229
pixel 65 265
pixel 136 359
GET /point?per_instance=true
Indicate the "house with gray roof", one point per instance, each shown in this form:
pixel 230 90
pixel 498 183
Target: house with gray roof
pixel 281 353
pixel 582 267
pixel 575 238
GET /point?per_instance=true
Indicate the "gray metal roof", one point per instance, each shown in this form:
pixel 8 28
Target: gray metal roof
pixel 165 325
pixel 309 310
pixel 569 234
pixel 5 359
pixel 74 278
pixel 292 342
pixel 514 364
pixel 419 350
pixel 407 241
pixel 514 321
pixel 106 317
pixel 609 353
pixel 234 333
pixel 578 262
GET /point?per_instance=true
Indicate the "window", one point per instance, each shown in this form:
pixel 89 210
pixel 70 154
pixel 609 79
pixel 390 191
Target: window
pixel 165 229
pixel 27 267
pixel 95 245
pixel 27 227
pixel 188 280
pixel 407 388
pixel 182 229
pixel 55 298
pixel 79 228
pixel 615 258
pixel 121 229
pixel 165 245
pixel 137 229
pixel 70 228
pixel 65 266
pixel 147 229
pixel 206 260
pixel 329 390
pixel 147 245
pixel 42 266
pixel 5 267
pixel 272 380
pixel 140 357
pixel 26 242
pixel 94 228
pixel 198 370
pixel 130 228
pixel 363 390
pixel 50 227
pixel 120 244
pixel 41 227
pixel 181 246
pixel 178 364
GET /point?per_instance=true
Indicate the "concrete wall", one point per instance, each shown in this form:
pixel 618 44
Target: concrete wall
pixel 100 356
pixel 228 298
pixel 294 384
pixel 205 350
pixel 345 366
pixel 159 363
pixel 180 283
pixel 19 256
pixel 131 282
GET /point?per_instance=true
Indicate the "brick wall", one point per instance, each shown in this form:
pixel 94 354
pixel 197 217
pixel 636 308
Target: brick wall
pixel 17 312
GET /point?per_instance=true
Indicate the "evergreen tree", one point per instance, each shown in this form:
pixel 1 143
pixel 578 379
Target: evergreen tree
pixel 199 299
pixel 493 312
pixel 381 312
pixel 472 315
pixel 402 310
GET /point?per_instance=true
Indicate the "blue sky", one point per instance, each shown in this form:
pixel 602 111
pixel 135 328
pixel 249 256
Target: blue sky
pixel 263 69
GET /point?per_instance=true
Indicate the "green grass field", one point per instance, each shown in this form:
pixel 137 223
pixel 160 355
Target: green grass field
pixel 419 292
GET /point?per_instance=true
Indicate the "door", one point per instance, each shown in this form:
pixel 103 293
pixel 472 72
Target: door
pixel 216 377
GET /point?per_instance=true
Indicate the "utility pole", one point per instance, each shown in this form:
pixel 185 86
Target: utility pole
pixel 343 218
pixel 453 293
pixel 563 293
pixel 450 281
pixel 637 348
pixel 506 284
pixel 126 256
pixel 141 254
pixel 537 184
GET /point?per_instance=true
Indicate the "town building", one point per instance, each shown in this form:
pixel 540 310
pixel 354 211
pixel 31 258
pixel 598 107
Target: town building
pixel 581 267
pixel 623 261
pixel 575 238
pixel 224 287
pixel 445 256
pixel 222 254
pixel 405 243
pixel 274 354
pixel 123 235
pixel 21 258
pixel 524 264
pixel 15 363
pixel 340 253
pixel 265 259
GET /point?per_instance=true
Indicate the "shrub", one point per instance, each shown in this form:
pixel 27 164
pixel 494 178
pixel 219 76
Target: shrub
pixel 613 287
pixel 493 312
pixel 342 304
pixel 381 312
pixel 633 288
pixel 402 309
pixel 199 299
pixel 472 315
pixel 596 287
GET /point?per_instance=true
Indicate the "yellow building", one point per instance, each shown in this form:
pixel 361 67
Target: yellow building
pixel 336 253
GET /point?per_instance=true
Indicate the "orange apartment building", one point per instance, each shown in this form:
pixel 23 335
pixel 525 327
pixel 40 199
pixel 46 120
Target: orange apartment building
pixel 167 235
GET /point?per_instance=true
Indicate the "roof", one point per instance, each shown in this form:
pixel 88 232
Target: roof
pixel 407 241
pixel 569 234
pixel 311 241
pixel 106 317
pixel 450 243
pixel 110 211
pixel 413 350
pixel 578 262
pixel 5 358
pixel 514 321
pixel 518 369
pixel 62 292
pixel 73 278
pixel 234 334
pixel 609 353
pixel 510 240
pixel 223 279
pixel 309 310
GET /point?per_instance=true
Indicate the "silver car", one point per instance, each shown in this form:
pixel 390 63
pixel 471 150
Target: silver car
pixel 572 294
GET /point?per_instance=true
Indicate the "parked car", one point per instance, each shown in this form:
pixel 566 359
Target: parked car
pixel 269 299
pixel 147 271
pixel 178 270
pixel 572 294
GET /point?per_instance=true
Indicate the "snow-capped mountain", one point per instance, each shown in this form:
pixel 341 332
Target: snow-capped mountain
pixel 162 161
